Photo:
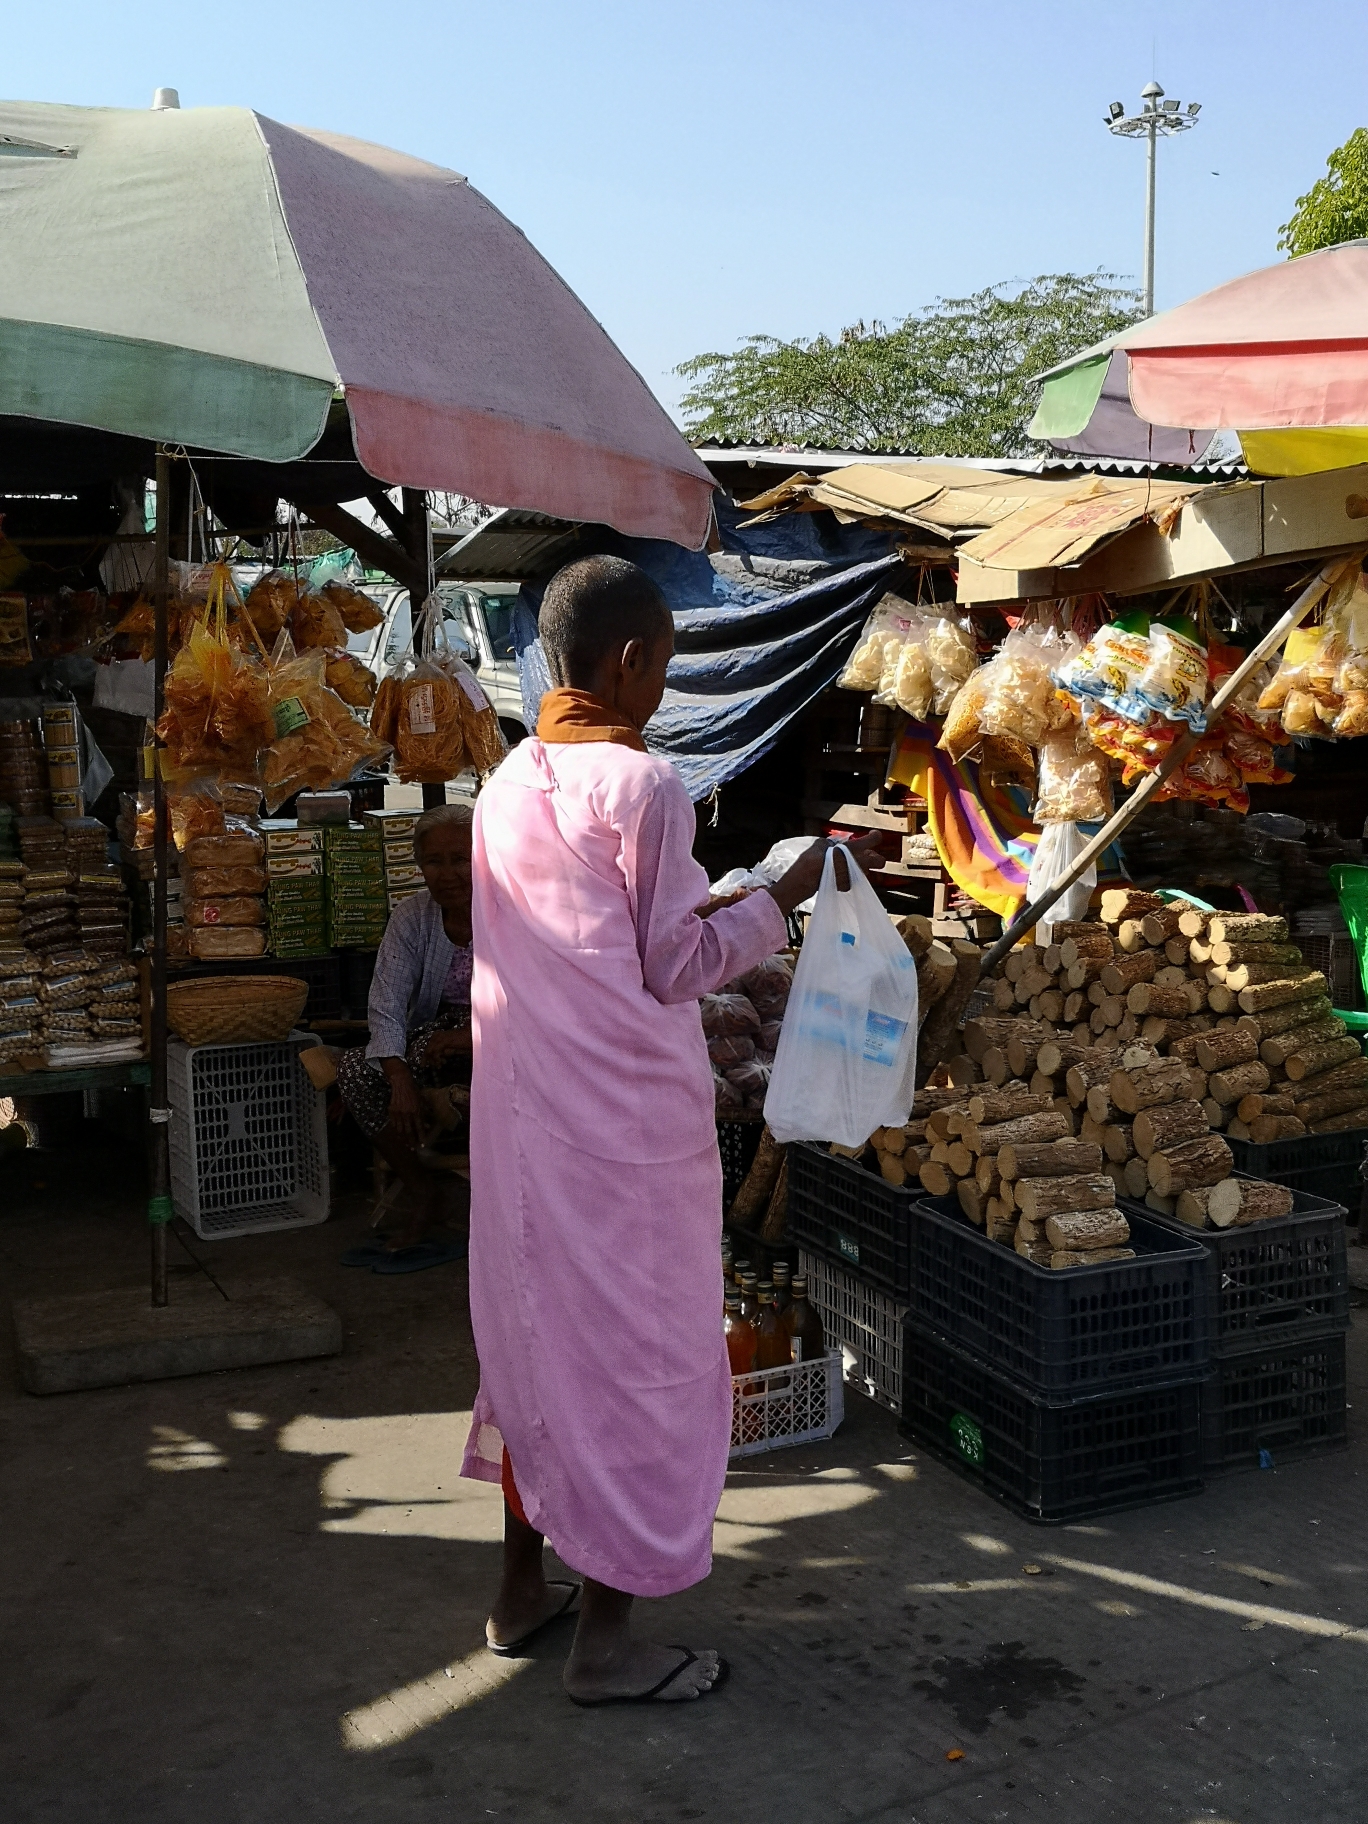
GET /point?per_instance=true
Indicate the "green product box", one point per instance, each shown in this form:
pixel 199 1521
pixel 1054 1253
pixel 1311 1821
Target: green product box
pixel 311 922
pixel 283 836
pixel 391 824
pixel 356 892
pixel 294 867
pixel 338 836
pixel 302 890
pixel 348 864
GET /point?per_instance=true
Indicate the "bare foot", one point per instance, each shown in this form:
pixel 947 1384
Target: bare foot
pixel 522 1606
pixel 599 1677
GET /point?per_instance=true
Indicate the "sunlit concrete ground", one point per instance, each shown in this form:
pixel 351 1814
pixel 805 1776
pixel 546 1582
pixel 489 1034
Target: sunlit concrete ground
pixel 259 1596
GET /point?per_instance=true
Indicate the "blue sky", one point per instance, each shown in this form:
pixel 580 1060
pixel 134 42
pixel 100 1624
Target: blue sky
pixel 700 171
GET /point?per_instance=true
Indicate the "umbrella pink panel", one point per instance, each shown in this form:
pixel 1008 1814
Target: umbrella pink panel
pixel 468 363
pixel 1286 346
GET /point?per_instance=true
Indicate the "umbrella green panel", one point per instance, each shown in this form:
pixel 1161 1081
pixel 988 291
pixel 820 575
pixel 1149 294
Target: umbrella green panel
pixel 1069 399
pixel 149 284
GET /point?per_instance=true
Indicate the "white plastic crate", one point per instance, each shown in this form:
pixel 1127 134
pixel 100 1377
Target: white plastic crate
pixel 249 1147
pixel 775 1407
pixel 863 1323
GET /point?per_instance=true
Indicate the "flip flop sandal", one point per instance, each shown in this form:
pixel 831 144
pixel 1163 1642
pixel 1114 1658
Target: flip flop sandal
pixel 365 1255
pixel 512 1648
pixel 422 1254
pixel 654 1694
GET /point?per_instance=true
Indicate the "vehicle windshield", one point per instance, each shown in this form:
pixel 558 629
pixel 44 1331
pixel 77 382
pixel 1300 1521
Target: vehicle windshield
pixel 498 614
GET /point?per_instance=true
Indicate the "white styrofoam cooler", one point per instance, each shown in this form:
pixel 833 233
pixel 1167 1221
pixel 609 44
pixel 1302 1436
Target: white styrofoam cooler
pixel 249 1147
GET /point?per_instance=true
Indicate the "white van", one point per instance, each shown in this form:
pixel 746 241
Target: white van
pixel 479 628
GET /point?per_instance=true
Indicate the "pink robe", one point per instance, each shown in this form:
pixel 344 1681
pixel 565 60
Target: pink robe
pixel 595 1270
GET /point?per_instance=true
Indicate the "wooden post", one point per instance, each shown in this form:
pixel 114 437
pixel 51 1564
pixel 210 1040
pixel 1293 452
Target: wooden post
pixel 159 1206
pixel 1030 915
pixel 418 541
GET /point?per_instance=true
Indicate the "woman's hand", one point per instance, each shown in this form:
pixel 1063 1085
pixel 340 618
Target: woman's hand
pixel 458 1043
pixel 406 1108
pixel 805 876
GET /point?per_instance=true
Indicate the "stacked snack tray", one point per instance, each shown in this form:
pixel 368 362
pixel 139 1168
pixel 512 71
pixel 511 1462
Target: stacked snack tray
pixel 62 745
pixel 354 873
pixel 48 914
pixel 23 770
pixel 403 877
pixel 223 894
pixel 295 895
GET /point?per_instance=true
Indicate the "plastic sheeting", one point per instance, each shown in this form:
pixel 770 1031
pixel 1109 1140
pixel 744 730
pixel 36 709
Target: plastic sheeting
pixel 761 628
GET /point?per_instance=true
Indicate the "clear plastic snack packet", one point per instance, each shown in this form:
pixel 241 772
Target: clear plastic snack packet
pixel 952 656
pixel 1073 781
pixel 1018 689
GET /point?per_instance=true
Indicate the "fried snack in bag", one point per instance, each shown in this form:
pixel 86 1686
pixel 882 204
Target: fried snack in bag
pixel 217 943
pixel 241 911
pixel 953 657
pixel 316 741
pixel 1253 756
pixel 217 712
pixel 1110 666
pixel 429 742
pixel 315 622
pixel 1174 683
pixel 876 651
pixel 384 719
pixel 223 883
pixel 359 613
pixel 352 680
pixel 960 736
pixel 272 600
pixel 1018 691
pixel 236 847
pixel 484 739
pixel 1073 784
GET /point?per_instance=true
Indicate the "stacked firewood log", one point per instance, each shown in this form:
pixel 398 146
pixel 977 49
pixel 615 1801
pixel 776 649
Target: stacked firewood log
pixel 1118 1058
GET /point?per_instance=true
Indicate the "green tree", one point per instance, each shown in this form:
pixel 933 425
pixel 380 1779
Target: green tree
pixel 1335 208
pixel 951 380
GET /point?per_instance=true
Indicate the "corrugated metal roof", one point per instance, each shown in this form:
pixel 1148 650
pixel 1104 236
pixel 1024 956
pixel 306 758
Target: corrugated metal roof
pixel 511 546
pixel 721 453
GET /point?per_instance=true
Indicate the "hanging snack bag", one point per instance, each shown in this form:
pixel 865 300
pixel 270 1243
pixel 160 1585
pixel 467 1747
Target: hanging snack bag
pixel 876 652
pixel 353 681
pixel 952 656
pixel 217 702
pixel 1018 690
pixel 1174 682
pixel 1073 783
pixel 1110 666
pixel 315 622
pixel 316 740
pixel 359 613
pixel 961 736
pixel 484 740
pixel 272 600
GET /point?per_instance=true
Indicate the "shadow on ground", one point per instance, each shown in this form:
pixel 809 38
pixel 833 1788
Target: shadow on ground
pixel 259 1596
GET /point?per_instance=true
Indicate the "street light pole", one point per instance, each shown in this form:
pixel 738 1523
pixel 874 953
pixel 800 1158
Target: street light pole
pixel 1157 118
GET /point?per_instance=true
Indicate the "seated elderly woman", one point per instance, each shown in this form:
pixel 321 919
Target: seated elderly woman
pixel 420 1041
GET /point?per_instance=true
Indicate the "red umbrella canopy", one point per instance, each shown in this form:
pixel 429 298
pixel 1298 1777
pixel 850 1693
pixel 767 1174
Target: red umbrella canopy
pixel 211 277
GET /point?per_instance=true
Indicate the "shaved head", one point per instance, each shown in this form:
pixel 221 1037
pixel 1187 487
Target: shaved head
pixel 592 610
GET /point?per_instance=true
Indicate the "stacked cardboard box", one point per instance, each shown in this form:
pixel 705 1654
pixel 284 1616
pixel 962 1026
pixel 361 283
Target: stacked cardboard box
pixel 354 876
pixel 403 877
pixel 296 901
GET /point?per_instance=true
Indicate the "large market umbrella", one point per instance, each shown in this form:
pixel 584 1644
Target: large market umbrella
pixel 211 278
pixel 1279 356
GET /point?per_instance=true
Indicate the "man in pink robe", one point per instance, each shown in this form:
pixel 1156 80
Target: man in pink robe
pixel 595 1273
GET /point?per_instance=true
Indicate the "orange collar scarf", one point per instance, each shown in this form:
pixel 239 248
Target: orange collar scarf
pixel 578 715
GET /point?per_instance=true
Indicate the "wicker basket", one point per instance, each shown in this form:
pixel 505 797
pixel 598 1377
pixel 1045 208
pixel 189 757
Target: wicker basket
pixel 235 1009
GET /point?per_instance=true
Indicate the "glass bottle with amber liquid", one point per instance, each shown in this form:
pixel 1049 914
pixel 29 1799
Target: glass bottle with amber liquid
pixel 803 1325
pixel 783 1293
pixel 750 1302
pixel 772 1345
pixel 741 1337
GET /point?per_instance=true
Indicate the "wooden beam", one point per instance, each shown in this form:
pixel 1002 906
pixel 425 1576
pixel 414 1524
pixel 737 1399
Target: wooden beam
pixel 379 552
pixel 387 511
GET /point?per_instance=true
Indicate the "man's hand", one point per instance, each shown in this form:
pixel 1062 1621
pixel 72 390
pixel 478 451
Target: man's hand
pixel 458 1043
pixel 805 876
pixel 406 1109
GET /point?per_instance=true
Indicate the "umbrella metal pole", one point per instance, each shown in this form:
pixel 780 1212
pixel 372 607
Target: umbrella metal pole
pixel 419 523
pixel 1149 220
pixel 1030 915
pixel 159 1207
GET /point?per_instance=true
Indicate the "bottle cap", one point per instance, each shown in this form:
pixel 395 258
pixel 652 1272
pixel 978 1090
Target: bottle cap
pixel 780 1271
pixel 799 1286
pixel 733 1301
pixel 749 1282
pixel 765 1285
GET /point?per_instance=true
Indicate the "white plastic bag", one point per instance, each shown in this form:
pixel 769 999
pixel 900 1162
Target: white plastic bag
pixel 847 1054
pixel 1059 846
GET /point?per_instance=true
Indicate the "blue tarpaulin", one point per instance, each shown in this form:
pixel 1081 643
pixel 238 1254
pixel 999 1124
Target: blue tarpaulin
pixel 761 628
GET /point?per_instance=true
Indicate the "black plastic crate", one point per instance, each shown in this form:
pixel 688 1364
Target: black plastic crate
pixel 1323 1165
pixel 1283 1400
pixel 1080 1331
pixel 1285 1278
pixel 839 1210
pixel 738 1137
pixel 1051 1461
